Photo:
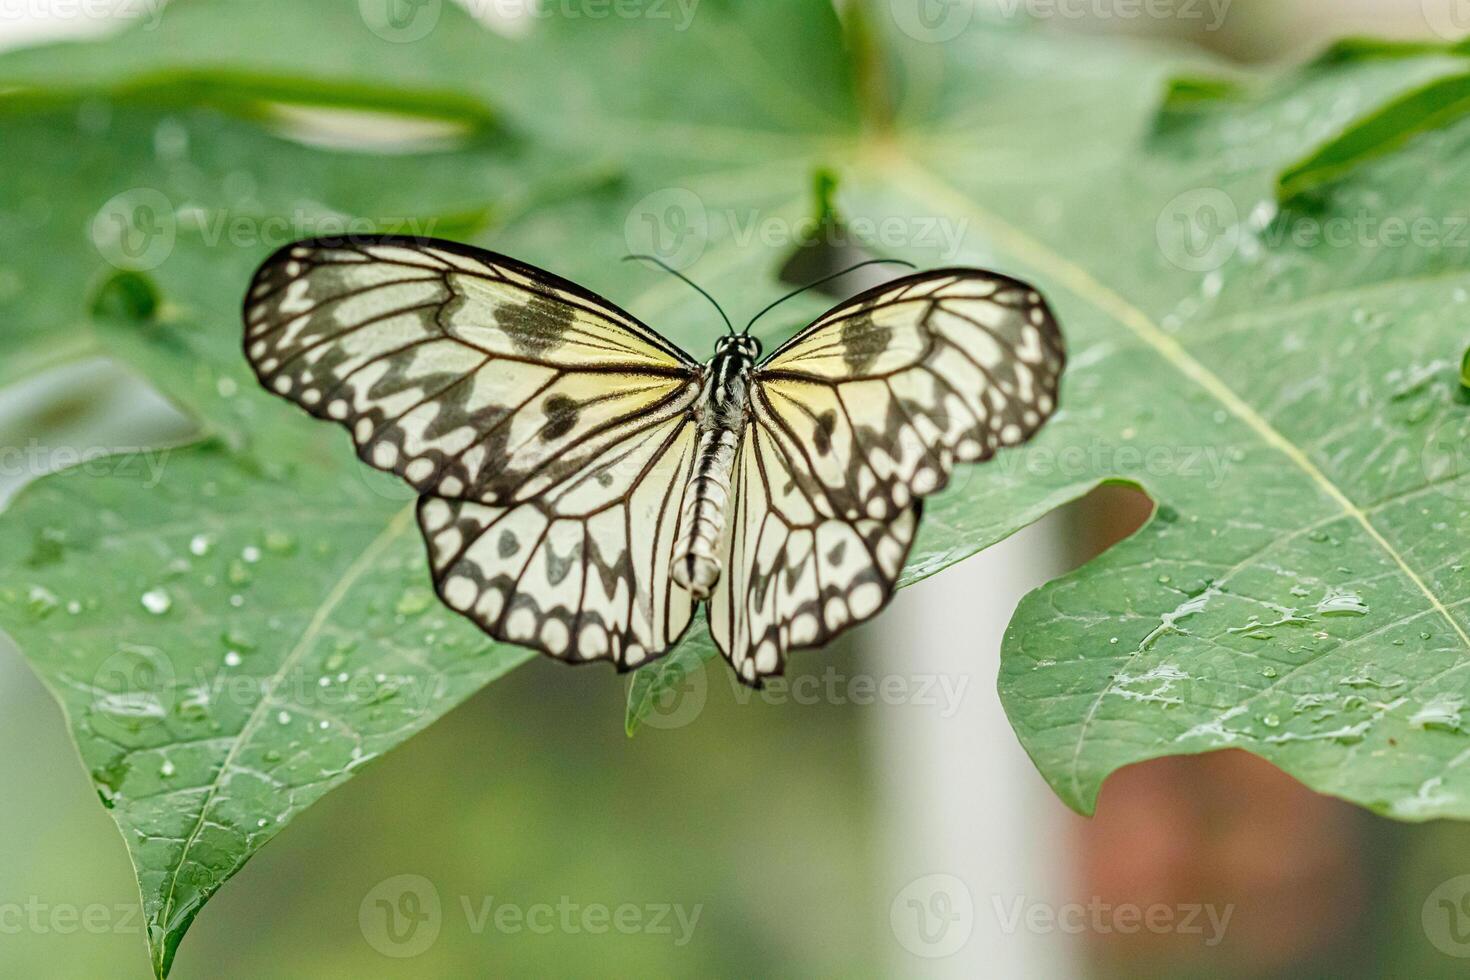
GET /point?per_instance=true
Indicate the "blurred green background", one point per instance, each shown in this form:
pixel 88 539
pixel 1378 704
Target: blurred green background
pixel 748 836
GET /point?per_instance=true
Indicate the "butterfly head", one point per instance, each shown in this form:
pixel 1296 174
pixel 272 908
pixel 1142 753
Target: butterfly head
pixel 740 345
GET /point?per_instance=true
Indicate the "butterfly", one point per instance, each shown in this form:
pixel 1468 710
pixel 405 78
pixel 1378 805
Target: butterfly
pixel 585 484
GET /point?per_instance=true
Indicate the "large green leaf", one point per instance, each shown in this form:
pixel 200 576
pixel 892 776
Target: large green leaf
pixel 1291 404
pixel 264 631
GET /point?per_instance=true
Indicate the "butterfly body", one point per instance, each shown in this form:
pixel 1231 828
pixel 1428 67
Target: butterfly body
pixel 722 412
pixel 586 486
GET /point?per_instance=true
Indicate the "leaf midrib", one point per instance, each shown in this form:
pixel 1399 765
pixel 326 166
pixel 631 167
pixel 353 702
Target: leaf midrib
pixel 1082 283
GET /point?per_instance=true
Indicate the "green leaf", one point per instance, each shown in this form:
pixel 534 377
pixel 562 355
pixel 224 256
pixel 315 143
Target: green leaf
pixel 265 631
pixel 235 52
pixel 1437 105
pixel 1290 402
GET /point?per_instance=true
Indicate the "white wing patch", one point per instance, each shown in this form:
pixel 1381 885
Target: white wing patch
pixel 880 398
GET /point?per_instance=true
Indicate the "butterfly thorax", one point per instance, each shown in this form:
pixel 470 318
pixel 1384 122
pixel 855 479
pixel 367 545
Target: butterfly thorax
pixel 721 414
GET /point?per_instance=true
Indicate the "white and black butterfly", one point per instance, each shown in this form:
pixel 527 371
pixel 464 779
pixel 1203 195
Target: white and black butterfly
pixel 585 483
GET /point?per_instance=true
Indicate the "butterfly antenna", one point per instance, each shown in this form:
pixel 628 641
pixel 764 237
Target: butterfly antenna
pixel 824 279
pixel 672 271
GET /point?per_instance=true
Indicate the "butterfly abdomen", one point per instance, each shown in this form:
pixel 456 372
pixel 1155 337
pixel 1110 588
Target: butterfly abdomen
pixel 696 565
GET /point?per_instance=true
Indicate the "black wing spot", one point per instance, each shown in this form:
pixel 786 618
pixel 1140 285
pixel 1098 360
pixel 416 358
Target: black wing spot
pixel 822 432
pixel 863 340
pixel 561 417
pixel 537 325
pixel 508 544
pixel 558 566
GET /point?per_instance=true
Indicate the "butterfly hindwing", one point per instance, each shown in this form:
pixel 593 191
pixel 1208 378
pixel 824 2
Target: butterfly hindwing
pixel 794 574
pixel 470 375
pixel 582 572
pixel 878 400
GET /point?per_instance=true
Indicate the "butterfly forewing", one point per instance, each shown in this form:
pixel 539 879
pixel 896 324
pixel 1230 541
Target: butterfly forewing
pixel 468 374
pixel 878 400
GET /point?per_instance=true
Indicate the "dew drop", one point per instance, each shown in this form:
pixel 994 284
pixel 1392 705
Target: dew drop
pixel 1342 603
pixel 41 601
pixel 167 769
pixel 238 638
pixel 279 542
pixel 200 545
pixel 157 601
pixel 232 658
pixel 413 602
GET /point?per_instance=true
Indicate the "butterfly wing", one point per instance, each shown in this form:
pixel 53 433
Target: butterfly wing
pixel 470 375
pixel 581 572
pixel 795 575
pixel 549 431
pixel 877 401
pixel 852 422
